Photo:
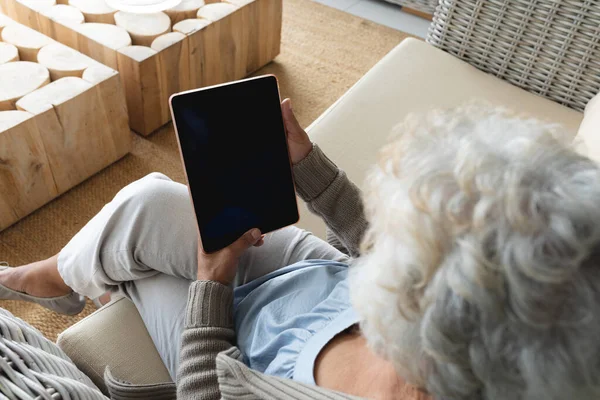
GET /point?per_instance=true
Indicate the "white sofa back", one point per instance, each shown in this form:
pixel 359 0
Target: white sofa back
pixel 414 77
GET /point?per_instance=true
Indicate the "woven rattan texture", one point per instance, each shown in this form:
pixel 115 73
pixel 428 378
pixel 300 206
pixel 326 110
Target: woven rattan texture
pixel 549 47
pixel 32 367
pixel 427 6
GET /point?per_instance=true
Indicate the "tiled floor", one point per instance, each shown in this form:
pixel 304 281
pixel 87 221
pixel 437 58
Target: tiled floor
pixel 383 13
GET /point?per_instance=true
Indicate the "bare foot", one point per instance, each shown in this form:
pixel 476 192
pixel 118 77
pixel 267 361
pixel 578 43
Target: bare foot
pixel 40 279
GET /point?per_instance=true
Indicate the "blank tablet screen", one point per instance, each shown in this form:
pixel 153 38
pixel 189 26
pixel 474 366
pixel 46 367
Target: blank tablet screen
pixel 235 154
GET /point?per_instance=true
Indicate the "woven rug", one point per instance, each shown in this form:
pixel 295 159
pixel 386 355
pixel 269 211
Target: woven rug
pixel 324 52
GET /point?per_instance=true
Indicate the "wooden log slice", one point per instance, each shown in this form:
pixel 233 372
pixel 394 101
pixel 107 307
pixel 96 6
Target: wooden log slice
pixel 60 22
pixel 4 21
pixel 28 41
pixel 95 10
pixel 111 36
pixel 53 94
pixel 18 79
pixel 239 3
pixel 8 53
pixel 216 11
pixel 65 14
pixel 98 73
pixel 166 40
pixel 189 26
pixel 184 10
pixel 137 53
pixel 143 28
pixel 62 61
pixel 38 5
pixel 8 119
pixel 142 6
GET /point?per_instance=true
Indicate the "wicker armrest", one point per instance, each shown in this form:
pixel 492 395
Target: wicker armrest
pixel 548 47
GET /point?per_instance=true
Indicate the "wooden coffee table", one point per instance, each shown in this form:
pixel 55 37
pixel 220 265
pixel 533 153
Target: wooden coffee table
pixel 165 53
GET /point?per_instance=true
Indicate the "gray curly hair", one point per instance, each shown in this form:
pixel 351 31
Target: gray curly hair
pixel 480 275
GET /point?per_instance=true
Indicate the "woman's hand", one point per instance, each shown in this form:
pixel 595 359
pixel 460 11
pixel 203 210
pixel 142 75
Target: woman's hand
pixel 222 265
pixel 298 141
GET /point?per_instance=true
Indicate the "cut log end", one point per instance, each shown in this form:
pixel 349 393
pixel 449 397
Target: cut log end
pixel 239 3
pixel 62 61
pixel 189 26
pixel 38 5
pixel 185 10
pixel 8 119
pixel 138 53
pixel 53 94
pixel 216 11
pixel 111 36
pixel 17 79
pixel 98 73
pixel 26 40
pixel 95 10
pixel 143 28
pixel 4 21
pixel 65 14
pixel 8 53
pixel 167 40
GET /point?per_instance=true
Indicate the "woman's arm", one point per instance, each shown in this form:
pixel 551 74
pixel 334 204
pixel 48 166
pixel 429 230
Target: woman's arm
pixel 329 193
pixel 209 326
pixel 324 187
pixel 208 331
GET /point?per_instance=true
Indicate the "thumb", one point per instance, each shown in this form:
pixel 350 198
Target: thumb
pixel 292 126
pixel 247 240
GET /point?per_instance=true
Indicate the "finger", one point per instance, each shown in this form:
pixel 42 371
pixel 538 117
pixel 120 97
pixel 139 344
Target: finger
pixel 292 125
pixel 261 241
pixel 200 247
pixel 247 240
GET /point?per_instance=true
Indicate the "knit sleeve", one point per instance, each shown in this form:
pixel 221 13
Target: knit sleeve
pixel 329 194
pixel 209 330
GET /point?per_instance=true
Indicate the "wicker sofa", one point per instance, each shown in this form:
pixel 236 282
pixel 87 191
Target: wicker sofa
pixel 541 57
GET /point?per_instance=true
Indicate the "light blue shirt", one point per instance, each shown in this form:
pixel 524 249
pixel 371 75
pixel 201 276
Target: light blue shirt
pixel 285 318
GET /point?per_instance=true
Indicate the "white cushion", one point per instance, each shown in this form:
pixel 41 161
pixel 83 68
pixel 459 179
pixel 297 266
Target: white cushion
pixel 114 336
pixel 414 77
pixel 588 137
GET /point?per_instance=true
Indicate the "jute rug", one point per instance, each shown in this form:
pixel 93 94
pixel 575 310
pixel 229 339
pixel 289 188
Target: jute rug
pixel 324 52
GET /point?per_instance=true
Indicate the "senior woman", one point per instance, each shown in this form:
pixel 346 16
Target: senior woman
pixel 478 277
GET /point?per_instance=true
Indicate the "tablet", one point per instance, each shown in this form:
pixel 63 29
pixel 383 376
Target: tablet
pixel 234 149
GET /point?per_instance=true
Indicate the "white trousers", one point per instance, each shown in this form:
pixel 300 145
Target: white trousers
pixel 144 245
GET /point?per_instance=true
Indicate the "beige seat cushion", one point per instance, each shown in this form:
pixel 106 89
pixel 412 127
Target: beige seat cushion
pixel 588 137
pixel 414 77
pixel 114 336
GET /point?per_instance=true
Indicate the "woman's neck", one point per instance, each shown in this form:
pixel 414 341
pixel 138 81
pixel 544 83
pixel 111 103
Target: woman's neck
pixel 347 365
